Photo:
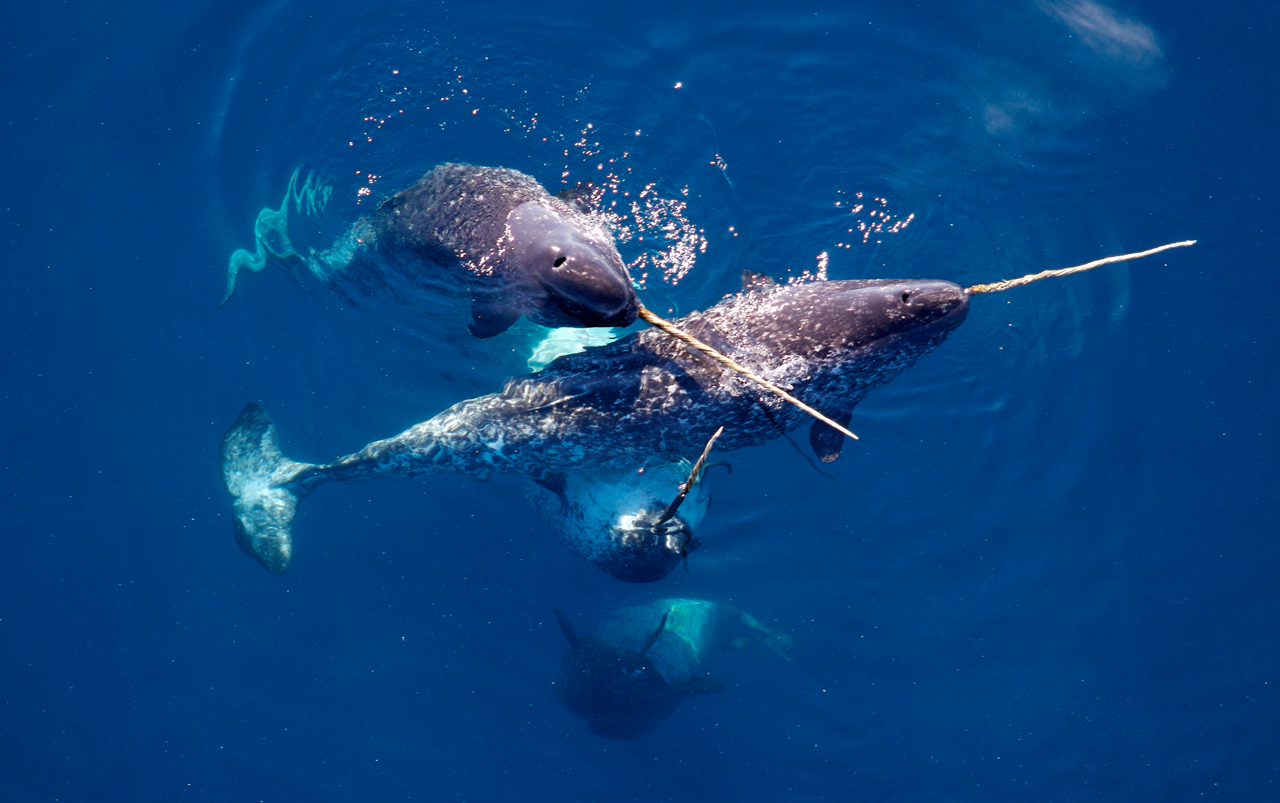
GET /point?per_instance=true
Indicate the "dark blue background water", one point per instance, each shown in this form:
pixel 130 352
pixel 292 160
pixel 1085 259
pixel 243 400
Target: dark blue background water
pixel 1047 571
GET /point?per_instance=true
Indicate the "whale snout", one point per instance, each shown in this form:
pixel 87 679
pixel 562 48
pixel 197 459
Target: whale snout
pixel 929 302
pixel 888 315
pixel 575 266
pixel 589 289
pixel 639 552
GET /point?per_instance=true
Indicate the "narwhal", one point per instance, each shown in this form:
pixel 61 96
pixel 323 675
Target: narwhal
pixel 492 235
pixel 637 668
pixel 613 407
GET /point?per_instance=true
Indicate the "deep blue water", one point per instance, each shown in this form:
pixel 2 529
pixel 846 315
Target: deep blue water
pixel 1046 572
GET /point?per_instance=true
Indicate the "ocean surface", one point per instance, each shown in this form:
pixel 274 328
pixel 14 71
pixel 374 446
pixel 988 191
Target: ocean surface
pixel 1047 571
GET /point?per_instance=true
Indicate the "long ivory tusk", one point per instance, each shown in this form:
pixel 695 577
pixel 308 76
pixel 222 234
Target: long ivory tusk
pixel 996 287
pixel 688 484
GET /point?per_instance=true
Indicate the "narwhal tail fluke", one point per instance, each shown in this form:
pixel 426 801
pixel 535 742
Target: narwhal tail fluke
pixel 266 485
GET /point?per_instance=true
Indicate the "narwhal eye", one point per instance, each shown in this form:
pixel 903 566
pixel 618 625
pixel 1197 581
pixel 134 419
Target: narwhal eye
pixel 560 260
pixel 906 297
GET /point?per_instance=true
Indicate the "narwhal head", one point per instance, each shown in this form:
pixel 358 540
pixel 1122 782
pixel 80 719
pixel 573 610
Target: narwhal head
pixel 617 691
pixel 904 317
pixel 573 267
pixel 642 550
pixel 636 525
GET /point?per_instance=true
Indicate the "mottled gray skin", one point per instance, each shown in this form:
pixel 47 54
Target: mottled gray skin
pixel 494 235
pixel 634 671
pixel 612 407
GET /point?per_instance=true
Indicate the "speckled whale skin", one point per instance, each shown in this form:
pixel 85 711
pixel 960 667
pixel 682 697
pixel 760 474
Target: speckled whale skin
pixel 610 407
pixel 829 342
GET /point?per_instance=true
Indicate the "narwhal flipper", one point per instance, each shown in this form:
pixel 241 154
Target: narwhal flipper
pixel 566 627
pixel 266 486
pixel 826 440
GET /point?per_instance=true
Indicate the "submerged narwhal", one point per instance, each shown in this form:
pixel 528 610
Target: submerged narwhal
pixel 633 672
pixel 635 525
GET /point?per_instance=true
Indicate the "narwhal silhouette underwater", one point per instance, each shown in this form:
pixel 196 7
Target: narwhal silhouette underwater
pixel 613 407
pixel 634 671
pixel 490 234
pixel 637 524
